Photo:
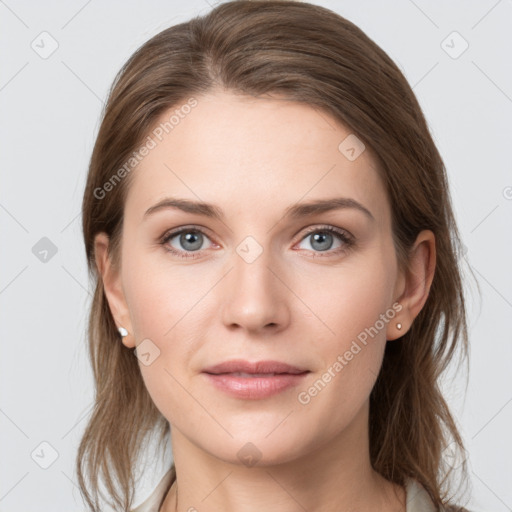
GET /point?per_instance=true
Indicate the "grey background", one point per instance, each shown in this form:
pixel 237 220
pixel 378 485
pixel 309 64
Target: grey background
pixel 50 111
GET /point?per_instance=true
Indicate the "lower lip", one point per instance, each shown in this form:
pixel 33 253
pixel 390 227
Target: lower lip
pixel 255 388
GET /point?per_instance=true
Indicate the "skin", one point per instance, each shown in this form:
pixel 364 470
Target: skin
pixel 254 157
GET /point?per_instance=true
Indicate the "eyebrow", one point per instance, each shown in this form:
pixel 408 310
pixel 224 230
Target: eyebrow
pixel 295 211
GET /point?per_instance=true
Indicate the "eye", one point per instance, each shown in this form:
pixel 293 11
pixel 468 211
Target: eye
pixel 323 238
pixel 188 240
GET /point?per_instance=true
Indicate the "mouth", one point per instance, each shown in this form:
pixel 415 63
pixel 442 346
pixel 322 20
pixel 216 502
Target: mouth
pixel 249 375
pixel 243 368
pixel 253 381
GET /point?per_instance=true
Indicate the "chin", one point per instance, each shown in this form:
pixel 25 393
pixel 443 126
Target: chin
pixel 253 448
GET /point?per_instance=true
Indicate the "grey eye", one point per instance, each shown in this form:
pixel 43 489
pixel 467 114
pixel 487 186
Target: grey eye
pixel 188 240
pixel 322 240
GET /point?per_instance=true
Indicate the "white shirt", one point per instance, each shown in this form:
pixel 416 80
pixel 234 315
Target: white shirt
pixel 417 498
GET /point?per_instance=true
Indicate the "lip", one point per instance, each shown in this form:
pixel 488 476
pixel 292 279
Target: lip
pixel 281 376
pixel 239 365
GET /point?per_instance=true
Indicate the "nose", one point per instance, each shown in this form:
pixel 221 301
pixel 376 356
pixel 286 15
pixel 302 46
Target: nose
pixel 254 294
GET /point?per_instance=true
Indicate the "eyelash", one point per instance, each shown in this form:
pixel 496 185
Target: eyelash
pixel 342 235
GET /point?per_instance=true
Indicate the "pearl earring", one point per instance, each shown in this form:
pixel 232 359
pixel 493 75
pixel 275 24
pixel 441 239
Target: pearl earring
pixel 122 331
pixel 399 326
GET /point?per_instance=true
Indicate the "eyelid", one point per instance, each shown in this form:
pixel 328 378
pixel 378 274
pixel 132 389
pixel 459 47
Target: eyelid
pixel 327 227
pixel 171 233
pixel 309 229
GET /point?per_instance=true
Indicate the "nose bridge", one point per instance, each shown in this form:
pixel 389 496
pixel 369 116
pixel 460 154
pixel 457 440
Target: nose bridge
pixel 251 266
pixel 253 297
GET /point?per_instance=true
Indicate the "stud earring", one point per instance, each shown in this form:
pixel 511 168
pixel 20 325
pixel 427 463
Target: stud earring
pixel 122 331
pixel 399 326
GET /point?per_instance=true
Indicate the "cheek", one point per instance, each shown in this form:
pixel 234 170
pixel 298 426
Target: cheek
pixel 167 321
pixel 159 295
pixel 355 315
pixel 347 301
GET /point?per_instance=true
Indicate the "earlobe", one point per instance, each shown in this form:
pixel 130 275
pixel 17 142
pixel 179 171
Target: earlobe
pixel 112 287
pixel 125 337
pixel 418 279
pixel 395 329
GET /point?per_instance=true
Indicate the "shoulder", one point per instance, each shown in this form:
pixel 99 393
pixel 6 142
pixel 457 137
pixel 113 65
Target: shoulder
pixel 418 500
pixel 154 501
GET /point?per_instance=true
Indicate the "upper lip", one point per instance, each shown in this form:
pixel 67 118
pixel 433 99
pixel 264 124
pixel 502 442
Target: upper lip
pixel 239 365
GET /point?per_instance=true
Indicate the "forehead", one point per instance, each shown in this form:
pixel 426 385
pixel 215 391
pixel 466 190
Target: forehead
pixel 253 155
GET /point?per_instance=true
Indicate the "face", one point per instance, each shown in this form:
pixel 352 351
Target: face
pixel 315 289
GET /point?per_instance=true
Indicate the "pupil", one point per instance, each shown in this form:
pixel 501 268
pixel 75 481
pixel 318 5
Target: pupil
pixel 190 238
pixel 320 237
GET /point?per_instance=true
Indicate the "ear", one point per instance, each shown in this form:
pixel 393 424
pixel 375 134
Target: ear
pixel 415 283
pixel 112 286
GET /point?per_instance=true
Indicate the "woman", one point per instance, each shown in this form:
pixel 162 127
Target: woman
pixel 269 227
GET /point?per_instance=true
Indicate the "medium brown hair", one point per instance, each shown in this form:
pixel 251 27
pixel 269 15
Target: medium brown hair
pixel 308 54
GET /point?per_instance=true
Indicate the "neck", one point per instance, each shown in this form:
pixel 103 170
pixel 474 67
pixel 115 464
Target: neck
pixel 314 480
